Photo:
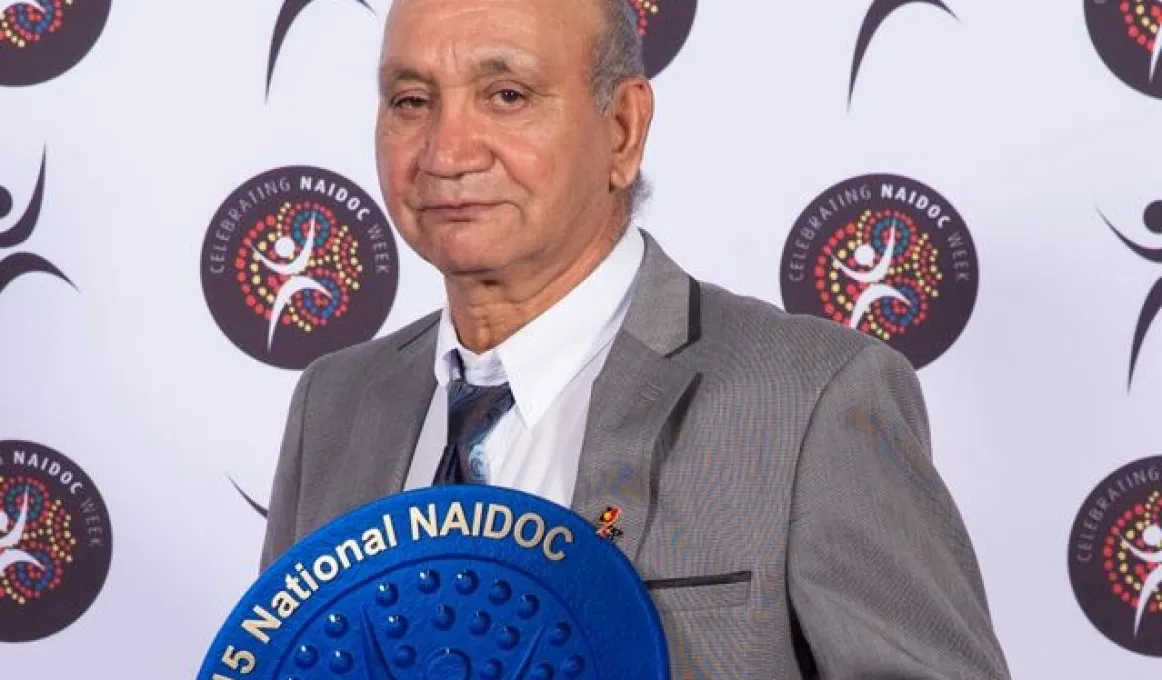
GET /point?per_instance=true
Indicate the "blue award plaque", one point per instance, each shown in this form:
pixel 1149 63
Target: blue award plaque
pixel 460 582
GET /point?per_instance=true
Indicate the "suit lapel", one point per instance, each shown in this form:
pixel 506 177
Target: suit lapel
pixel 639 392
pixel 390 416
pixel 631 406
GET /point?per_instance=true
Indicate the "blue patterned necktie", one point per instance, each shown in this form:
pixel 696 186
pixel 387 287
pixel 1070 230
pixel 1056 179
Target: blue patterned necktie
pixel 473 410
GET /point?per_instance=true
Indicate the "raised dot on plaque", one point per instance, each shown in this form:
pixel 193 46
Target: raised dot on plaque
pixel 480 623
pixel 448 664
pixel 509 638
pixel 342 662
pixel 396 626
pixel 491 670
pixel 573 666
pixel 429 581
pixel 306 656
pixel 560 633
pixel 386 594
pixel 499 593
pixel 542 672
pixel 529 604
pixel 336 625
pixel 404 656
pixel 444 618
pixel 466 582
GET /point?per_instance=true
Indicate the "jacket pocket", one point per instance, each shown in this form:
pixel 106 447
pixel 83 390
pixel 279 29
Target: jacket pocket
pixel 712 591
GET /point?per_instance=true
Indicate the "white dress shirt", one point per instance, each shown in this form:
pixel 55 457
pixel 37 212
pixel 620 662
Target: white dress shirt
pixel 550 365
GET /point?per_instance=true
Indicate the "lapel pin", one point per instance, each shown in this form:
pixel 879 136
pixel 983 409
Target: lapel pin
pixel 607 524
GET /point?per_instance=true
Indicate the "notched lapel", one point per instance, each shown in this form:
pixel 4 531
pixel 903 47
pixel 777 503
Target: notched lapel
pixel 387 424
pixel 641 390
pixel 637 395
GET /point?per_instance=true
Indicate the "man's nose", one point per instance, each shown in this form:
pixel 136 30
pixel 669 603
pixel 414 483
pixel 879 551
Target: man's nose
pixel 453 146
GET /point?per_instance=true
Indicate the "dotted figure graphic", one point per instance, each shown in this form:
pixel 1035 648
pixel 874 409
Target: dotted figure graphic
pixel 664 26
pixel 903 288
pixel 26 23
pixel 333 268
pixel 645 10
pixel 1127 574
pixel 1143 18
pixel 45 547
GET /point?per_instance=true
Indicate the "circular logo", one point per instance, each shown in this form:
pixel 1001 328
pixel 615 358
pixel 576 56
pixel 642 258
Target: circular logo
pixel 1115 557
pixel 299 262
pixel 1123 32
pixel 41 39
pixel 55 542
pixel 664 26
pixel 452 582
pixel 888 256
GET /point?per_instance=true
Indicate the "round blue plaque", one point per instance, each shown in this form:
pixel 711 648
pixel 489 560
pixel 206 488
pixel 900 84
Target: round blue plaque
pixel 460 582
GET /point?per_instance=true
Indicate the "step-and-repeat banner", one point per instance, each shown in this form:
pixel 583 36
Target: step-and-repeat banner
pixel 189 214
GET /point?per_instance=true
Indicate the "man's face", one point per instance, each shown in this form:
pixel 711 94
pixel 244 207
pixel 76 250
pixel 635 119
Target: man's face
pixel 492 155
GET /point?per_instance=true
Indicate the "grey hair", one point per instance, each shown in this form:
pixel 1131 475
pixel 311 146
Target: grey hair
pixel 618 52
pixel 618 55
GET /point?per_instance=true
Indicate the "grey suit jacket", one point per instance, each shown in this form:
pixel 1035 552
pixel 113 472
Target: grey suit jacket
pixel 774 474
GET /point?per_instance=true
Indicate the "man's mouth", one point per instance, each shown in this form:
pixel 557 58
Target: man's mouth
pixel 456 211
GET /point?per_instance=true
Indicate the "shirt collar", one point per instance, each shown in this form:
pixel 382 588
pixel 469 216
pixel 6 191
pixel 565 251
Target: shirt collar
pixel 540 359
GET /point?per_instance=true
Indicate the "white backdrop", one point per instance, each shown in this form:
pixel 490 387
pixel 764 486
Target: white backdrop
pixel 1006 110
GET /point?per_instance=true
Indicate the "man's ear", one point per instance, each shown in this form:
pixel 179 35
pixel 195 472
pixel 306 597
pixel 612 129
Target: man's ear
pixel 630 115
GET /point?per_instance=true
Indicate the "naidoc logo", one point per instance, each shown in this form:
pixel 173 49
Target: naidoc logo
pixel 1115 557
pixel 16 265
pixel 41 39
pixel 290 11
pixel 56 542
pixel 299 262
pixel 875 17
pixel 1152 220
pixel 1124 32
pixel 888 256
pixel 664 26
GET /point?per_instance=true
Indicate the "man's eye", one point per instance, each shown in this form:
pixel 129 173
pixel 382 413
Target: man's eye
pixel 408 102
pixel 509 97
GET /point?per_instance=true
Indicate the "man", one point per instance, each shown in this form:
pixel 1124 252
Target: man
pixel 773 472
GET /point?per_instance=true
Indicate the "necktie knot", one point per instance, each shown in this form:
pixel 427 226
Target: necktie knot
pixel 473 411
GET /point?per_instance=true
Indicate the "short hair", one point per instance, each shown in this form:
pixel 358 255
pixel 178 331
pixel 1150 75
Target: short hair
pixel 617 56
pixel 618 51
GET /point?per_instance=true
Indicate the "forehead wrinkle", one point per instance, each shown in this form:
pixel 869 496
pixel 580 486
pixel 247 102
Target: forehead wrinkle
pixel 521 42
pixel 485 62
